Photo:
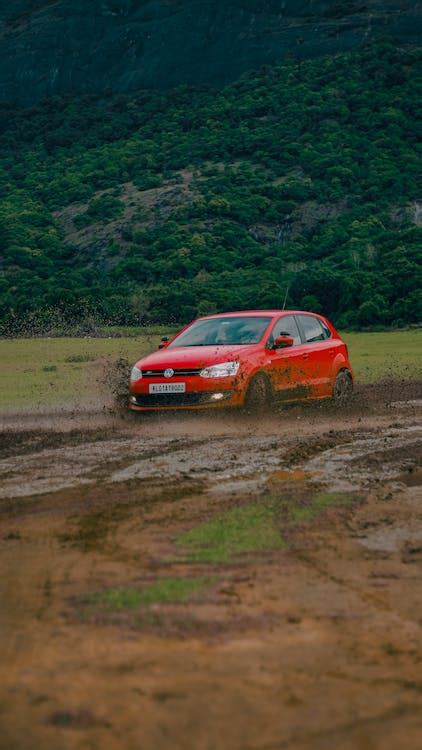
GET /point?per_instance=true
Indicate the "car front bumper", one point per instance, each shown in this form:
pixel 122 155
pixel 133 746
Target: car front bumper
pixel 200 393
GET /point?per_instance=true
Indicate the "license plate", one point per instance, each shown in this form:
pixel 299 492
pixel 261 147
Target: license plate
pixel 167 388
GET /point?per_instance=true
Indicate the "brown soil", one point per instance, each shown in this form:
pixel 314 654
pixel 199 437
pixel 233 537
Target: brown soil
pixel 309 647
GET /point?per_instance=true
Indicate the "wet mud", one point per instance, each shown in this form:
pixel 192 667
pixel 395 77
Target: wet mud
pixel 213 581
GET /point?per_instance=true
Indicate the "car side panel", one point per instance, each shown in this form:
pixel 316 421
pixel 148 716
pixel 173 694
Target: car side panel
pixel 320 356
pixel 287 368
pixel 289 373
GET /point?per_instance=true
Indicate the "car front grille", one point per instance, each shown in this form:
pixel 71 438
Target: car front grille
pixel 171 399
pixel 176 399
pixel 187 373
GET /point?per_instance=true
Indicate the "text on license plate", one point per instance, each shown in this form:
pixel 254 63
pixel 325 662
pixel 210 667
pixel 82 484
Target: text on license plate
pixel 167 388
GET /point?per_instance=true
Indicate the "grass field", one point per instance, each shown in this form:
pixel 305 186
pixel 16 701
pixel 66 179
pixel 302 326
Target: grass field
pixel 44 372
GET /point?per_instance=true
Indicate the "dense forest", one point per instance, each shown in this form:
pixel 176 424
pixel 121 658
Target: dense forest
pixel 299 179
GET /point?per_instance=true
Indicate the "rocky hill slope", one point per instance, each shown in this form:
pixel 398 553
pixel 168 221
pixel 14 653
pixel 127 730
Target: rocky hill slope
pixel 50 47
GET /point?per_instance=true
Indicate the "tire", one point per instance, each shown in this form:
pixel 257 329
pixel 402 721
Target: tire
pixel 343 388
pixel 258 395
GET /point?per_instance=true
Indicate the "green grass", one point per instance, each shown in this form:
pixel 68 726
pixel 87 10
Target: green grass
pixel 48 372
pixel 252 528
pixel 162 591
pixel 256 527
pixel 387 354
pixel 79 358
pixel 59 371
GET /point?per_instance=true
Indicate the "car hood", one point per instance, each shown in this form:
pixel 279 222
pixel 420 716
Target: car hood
pixel 194 356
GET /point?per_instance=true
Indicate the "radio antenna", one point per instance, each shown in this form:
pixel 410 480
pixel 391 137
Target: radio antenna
pixel 285 296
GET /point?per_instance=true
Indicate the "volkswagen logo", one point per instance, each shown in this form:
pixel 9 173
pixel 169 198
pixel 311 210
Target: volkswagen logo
pixel 168 373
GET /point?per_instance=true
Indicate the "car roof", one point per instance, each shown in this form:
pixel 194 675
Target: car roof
pixel 247 313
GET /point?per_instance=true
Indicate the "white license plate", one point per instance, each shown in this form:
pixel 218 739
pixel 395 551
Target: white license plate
pixel 167 388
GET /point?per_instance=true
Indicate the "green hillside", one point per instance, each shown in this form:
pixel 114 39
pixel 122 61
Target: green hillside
pixel 159 206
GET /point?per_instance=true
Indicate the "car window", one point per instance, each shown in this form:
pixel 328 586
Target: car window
pixel 312 329
pixel 286 326
pixel 223 331
pixel 326 330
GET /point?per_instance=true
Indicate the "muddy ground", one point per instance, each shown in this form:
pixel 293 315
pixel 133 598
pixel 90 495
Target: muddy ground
pixel 306 638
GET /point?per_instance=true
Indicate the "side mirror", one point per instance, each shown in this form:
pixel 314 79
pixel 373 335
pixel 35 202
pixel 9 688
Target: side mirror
pixel 164 342
pixel 282 342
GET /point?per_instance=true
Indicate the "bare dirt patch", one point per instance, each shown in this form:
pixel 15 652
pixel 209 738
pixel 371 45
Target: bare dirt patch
pixel 140 609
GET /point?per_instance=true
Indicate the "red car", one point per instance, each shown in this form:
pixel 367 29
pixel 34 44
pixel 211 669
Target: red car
pixel 244 359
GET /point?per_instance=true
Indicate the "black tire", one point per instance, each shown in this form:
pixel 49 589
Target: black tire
pixel 258 395
pixel 343 388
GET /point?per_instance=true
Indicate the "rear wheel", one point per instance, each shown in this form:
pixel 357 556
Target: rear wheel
pixel 258 395
pixel 343 388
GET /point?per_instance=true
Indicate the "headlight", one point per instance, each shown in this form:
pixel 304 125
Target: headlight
pixel 135 374
pixel 225 370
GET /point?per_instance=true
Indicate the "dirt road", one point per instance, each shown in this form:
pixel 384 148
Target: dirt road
pixel 220 583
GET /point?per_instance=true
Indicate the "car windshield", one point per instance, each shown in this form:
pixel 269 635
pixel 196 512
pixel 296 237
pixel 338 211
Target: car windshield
pixel 223 331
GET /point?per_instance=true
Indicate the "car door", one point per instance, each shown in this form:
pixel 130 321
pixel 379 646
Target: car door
pixel 317 354
pixel 286 366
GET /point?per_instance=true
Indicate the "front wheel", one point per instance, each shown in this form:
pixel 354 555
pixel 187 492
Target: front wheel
pixel 343 388
pixel 258 395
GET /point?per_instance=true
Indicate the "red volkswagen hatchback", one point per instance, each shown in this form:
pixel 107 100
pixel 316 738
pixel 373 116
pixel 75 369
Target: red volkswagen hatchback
pixel 244 359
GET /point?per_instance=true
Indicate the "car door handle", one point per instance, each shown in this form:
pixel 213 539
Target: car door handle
pixel 305 356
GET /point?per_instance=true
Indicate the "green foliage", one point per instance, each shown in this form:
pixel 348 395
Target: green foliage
pixel 304 177
pixel 103 209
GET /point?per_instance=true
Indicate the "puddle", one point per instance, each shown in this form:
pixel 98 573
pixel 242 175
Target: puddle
pixel 55 469
pixel 218 461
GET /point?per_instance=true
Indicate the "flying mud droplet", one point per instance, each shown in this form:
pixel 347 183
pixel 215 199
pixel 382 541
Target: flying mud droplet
pixel 114 380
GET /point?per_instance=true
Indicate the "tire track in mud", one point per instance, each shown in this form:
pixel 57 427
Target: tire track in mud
pixel 340 464
pixel 62 468
pixel 229 463
pixel 350 467
pixel 367 597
